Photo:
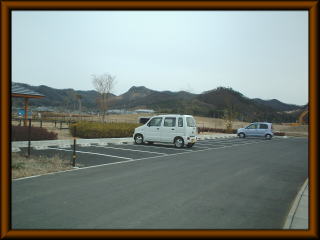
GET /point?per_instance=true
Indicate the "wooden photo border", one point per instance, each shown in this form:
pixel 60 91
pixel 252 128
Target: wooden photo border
pixel 8 6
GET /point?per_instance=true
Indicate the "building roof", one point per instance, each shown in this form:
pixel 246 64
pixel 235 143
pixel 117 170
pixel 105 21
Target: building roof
pixel 145 110
pixel 19 91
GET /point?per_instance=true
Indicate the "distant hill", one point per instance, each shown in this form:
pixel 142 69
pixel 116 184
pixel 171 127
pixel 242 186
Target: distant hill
pixel 142 97
pixel 247 109
pixel 212 103
pixel 61 98
pixel 276 104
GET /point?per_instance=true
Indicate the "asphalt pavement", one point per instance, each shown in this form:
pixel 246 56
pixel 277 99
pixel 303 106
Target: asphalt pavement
pixel 217 184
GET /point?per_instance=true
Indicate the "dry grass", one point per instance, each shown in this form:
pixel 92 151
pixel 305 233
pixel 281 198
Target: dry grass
pixel 296 131
pixel 36 165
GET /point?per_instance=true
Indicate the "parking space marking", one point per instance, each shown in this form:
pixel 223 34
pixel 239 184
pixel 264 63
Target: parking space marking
pixel 224 143
pixel 126 161
pixel 197 146
pixel 233 141
pixel 220 140
pixel 206 144
pixel 126 149
pixel 227 143
pixel 93 153
pixel 162 147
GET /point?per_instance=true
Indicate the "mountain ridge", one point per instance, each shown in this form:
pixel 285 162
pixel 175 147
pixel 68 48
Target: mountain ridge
pixel 211 103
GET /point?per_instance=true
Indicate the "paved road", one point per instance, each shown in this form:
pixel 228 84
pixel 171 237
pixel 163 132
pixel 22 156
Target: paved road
pixel 218 184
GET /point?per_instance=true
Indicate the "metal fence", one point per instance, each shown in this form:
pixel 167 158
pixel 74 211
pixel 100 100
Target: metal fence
pixel 59 124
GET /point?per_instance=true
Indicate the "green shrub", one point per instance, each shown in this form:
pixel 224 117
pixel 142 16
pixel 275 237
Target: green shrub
pixel 86 129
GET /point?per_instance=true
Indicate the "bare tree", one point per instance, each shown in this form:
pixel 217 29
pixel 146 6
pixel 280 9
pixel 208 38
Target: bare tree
pixel 229 116
pixel 79 97
pixel 103 84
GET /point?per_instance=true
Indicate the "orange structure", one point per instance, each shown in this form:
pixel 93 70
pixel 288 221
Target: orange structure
pixel 302 115
pixel 22 92
pixel 300 120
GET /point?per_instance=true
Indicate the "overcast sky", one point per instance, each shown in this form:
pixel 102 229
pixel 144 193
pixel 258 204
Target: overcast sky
pixel 262 54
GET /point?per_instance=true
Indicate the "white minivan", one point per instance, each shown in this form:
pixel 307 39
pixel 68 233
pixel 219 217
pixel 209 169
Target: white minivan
pixel 181 130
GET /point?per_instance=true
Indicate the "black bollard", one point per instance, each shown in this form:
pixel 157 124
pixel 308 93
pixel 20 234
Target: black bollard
pixel 29 138
pixel 74 153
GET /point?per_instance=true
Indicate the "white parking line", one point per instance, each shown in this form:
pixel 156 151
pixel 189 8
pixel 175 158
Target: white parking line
pixel 231 144
pixel 226 142
pixel 163 147
pixel 197 146
pixel 93 153
pixel 222 141
pixel 125 149
pixel 121 162
pixel 205 144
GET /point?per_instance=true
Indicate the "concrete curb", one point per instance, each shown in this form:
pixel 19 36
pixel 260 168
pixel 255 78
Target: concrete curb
pixel 215 136
pixel 294 208
pixel 38 145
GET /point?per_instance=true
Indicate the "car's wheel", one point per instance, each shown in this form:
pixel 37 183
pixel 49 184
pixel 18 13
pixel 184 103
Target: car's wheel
pixel 242 135
pixel 189 145
pixel 138 139
pixel 268 137
pixel 178 142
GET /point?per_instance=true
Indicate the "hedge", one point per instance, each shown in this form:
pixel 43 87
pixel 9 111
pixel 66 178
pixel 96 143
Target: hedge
pixel 279 133
pixel 85 129
pixel 216 130
pixel 21 133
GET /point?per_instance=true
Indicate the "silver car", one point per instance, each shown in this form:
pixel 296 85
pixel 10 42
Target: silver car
pixel 256 129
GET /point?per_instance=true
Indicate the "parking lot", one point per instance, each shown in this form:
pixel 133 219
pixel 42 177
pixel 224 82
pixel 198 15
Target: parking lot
pixel 224 183
pixel 96 154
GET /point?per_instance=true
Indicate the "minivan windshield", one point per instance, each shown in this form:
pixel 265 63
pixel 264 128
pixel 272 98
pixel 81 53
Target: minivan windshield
pixel 191 122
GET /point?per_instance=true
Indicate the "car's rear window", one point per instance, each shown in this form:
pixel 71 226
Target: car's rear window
pixel 191 122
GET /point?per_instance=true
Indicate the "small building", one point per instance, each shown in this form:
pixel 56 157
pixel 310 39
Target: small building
pixel 44 109
pixel 116 111
pixel 144 111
